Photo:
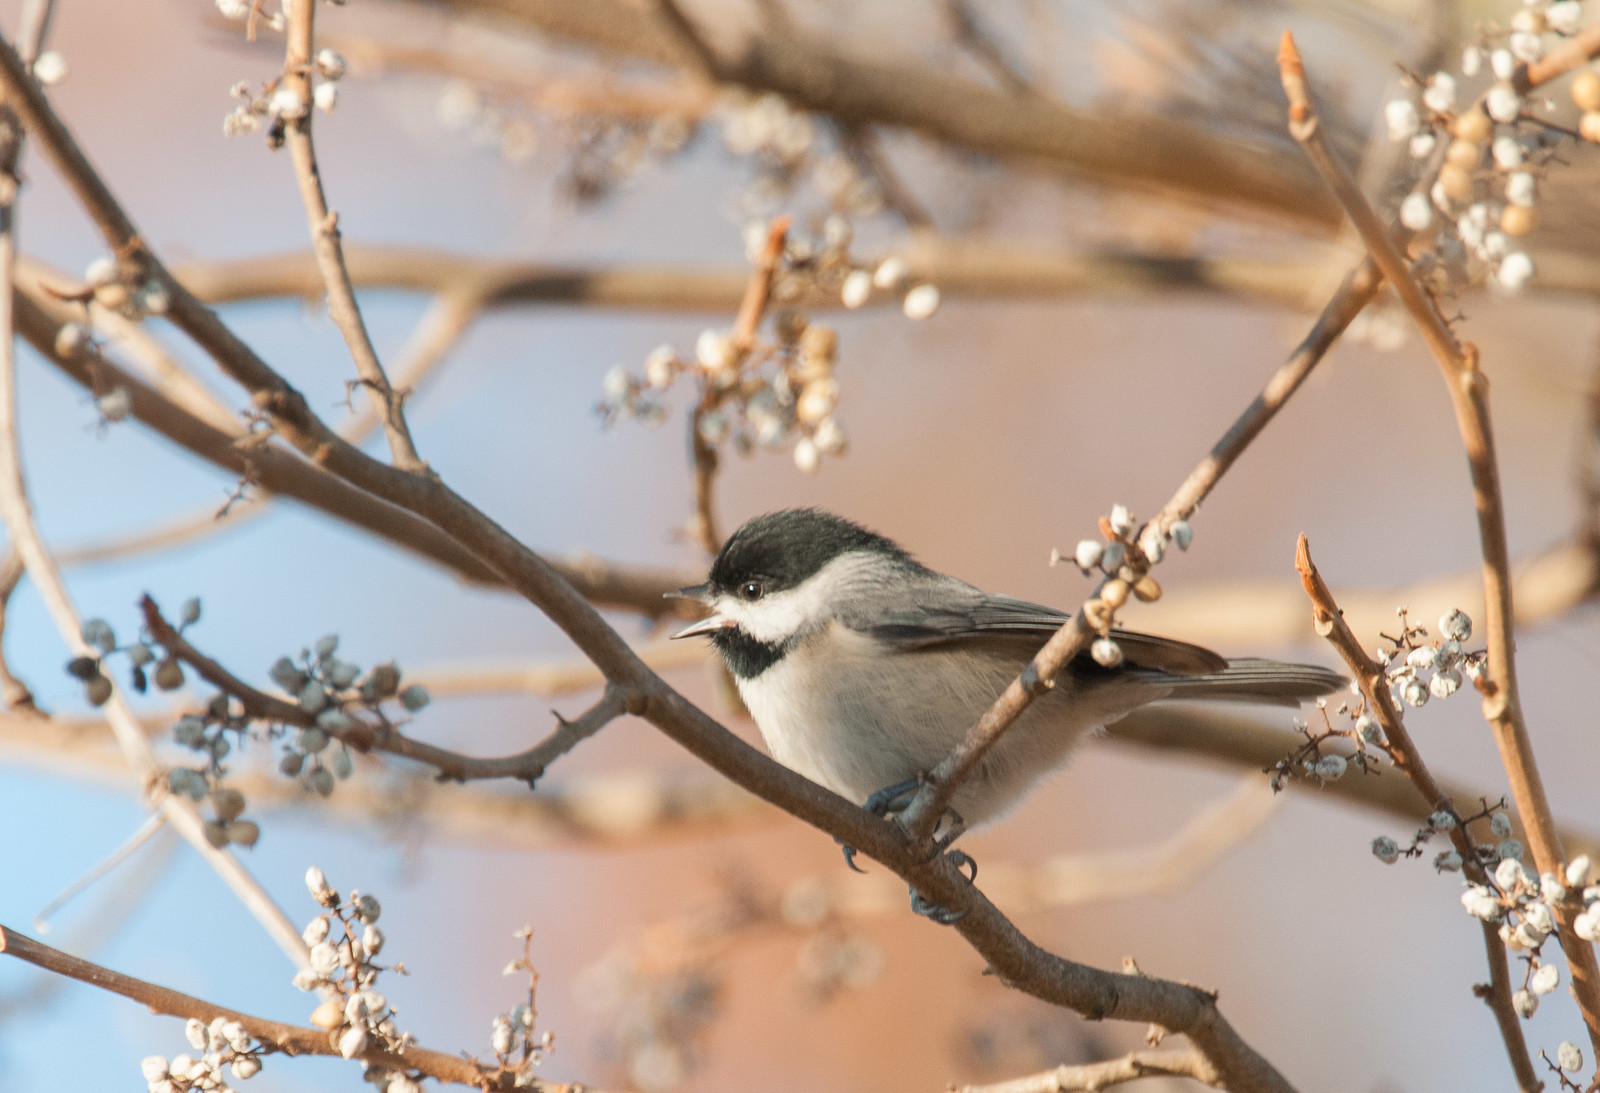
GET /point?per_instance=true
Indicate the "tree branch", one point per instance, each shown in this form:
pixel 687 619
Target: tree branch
pixel 941 784
pixel 1469 395
pixel 342 308
pixel 974 268
pixel 289 1039
pixel 1139 151
pixel 609 584
pixel 17 512
pixel 757 293
pixel 1091 1076
pixel 376 733
pixel 1407 757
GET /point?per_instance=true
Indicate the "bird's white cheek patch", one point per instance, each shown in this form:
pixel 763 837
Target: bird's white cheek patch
pixel 779 616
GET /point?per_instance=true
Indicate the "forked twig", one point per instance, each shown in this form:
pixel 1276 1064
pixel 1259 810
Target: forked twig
pixel 1469 395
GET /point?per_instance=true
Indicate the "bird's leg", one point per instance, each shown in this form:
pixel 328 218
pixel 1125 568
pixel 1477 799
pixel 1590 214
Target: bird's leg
pixel 893 798
pixel 889 799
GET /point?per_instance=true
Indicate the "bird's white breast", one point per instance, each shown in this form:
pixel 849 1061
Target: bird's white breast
pixel 857 717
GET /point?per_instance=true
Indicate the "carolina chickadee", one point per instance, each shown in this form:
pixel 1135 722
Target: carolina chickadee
pixel 864 668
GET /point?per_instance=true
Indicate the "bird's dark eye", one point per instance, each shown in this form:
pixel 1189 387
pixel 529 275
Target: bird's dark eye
pixel 751 590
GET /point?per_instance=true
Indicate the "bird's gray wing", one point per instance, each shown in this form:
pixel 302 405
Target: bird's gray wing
pixel 966 614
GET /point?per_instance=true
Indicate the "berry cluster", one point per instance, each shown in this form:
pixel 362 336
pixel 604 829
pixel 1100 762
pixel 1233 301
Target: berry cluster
pixel 277 103
pixel 1124 553
pixel 1479 160
pixel 344 941
pixel 777 392
pixel 221 1044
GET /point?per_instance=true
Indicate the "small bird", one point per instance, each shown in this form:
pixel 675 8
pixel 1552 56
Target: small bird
pixel 863 668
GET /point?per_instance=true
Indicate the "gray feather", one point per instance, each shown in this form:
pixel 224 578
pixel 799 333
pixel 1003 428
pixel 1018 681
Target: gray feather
pixel 967 615
pixel 1250 679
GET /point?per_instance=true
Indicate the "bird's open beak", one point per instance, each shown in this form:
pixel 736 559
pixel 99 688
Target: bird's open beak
pixel 699 593
pixel 705 626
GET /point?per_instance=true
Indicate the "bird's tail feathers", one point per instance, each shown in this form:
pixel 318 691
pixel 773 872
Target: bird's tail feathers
pixel 1251 679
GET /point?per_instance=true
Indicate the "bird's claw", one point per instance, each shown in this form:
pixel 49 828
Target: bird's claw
pixel 942 915
pixel 849 855
pixel 921 905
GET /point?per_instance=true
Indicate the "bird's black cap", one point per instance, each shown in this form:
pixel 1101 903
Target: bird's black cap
pixel 782 549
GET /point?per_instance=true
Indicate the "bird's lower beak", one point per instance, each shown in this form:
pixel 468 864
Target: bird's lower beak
pixel 705 626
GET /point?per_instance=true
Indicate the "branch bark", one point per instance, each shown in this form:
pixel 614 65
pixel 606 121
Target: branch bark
pixel 972 268
pixel 608 584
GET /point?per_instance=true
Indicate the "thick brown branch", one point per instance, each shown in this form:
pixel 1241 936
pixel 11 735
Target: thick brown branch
pixel 608 584
pixel 1469 395
pixel 818 75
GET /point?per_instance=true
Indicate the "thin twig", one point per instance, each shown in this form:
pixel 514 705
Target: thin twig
pixel 1374 684
pixel 438 332
pixel 941 784
pixel 33 28
pixel 757 294
pixel 153 823
pixel 17 695
pixel 325 241
pixel 375 732
pixel 289 1039
pixel 1089 1076
pixel 607 583
pixel 980 42
pixel 862 145
pixel 1469 395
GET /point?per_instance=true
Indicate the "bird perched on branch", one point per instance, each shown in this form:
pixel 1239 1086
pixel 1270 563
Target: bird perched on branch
pixel 863 668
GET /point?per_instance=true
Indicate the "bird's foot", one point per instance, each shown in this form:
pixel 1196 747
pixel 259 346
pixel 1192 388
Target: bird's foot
pixel 893 798
pixel 889 799
pixel 944 916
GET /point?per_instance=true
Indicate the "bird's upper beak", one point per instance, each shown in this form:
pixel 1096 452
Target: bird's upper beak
pixel 700 593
